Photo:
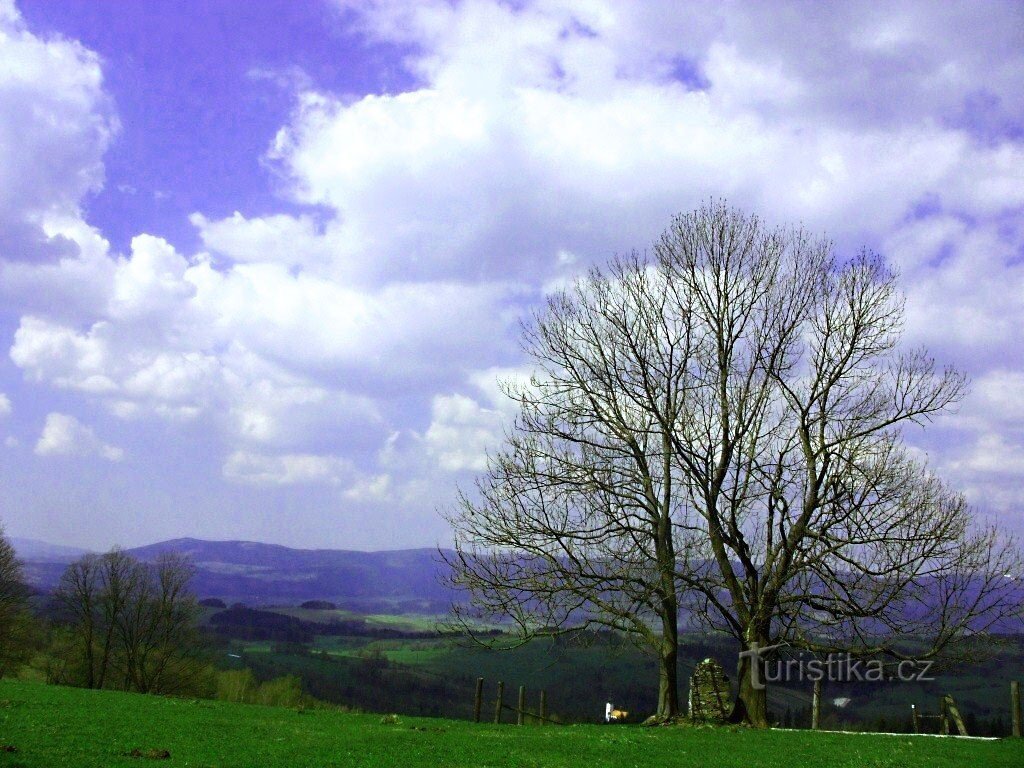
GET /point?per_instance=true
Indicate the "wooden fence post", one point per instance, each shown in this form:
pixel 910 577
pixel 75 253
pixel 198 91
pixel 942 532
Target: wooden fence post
pixel 954 712
pixel 497 702
pixel 543 706
pixel 943 717
pixel 478 699
pixel 816 706
pixel 521 709
pixel 914 717
pixel 1018 728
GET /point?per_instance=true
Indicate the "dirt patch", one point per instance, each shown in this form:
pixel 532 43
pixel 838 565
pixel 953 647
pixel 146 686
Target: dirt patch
pixel 150 754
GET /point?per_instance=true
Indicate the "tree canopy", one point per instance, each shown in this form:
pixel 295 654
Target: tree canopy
pixel 716 430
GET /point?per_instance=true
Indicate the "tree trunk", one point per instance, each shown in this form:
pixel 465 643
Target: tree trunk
pixel 668 653
pixel 751 705
pixel 668 684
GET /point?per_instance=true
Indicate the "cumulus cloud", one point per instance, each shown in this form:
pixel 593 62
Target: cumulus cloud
pixel 286 469
pixel 56 121
pixel 64 435
pixel 371 489
pixel 271 356
pixel 280 238
pixel 5 405
pixel 307 469
pixel 580 129
pixel 461 432
pixel 369 319
pixel 564 131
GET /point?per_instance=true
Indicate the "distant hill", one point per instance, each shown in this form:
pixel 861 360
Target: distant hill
pixel 399 581
pixel 43 551
pixel 391 582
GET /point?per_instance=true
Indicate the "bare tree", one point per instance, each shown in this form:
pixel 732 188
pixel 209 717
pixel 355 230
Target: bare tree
pixel 572 526
pixel 157 626
pixel 824 531
pixel 14 616
pixel 12 591
pixel 79 595
pixel 719 428
pixel 134 622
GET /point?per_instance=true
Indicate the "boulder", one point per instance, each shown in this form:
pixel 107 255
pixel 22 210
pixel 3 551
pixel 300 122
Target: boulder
pixel 710 697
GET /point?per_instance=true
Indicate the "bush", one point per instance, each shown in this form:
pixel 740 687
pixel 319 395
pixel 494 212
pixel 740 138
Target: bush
pixel 280 692
pixel 241 686
pixel 236 685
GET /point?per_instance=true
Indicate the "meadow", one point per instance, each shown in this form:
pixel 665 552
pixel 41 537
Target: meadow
pixel 54 726
pixel 436 677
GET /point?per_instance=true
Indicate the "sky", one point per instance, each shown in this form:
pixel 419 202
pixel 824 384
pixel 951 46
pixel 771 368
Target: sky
pixel 263 264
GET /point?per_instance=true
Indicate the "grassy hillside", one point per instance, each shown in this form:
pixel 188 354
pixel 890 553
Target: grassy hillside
pixel 52 726
pixel 436 677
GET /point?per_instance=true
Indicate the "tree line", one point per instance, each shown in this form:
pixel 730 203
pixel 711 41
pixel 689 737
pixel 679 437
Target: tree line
pixel 118 623
pixel 127 624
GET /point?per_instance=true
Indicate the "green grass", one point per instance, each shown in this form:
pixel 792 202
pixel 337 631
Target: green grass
pixel 404 622
pixel 52 726
pixel 435 677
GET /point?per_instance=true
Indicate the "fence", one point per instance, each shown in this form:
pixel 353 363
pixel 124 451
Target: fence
pixel 948 713
pixel 540 716
pixel 948 710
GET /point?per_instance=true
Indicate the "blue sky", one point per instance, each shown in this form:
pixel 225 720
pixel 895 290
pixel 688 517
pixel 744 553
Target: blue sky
pixel 200 89
pixel 261 264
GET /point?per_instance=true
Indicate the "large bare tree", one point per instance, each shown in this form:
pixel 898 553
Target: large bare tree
pixel 719 428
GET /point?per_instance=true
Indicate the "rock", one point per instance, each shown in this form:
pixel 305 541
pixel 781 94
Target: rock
pixel 710 696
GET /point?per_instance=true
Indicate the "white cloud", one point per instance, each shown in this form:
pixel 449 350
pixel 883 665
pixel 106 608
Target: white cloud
pixel 286 469
pixel 542 137
pixel 306 469
pixel 375 488
pixel 569 132
pixel 64 435
pixel 272 356
pixel 55 124
pixel 562 134
pixel 961 283
pixel 5 405
pixel 461 432
pixel 280 238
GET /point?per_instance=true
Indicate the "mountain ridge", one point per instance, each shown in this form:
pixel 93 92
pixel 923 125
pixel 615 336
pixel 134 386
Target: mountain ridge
pixel 259 573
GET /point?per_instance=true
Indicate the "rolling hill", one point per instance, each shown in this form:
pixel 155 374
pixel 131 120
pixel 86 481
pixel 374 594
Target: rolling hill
pixel 254 573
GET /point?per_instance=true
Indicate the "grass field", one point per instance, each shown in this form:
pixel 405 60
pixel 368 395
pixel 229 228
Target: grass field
pixel 52 726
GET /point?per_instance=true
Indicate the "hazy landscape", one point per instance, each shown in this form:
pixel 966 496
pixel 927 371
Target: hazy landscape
pixel 405 581
pixel 382 645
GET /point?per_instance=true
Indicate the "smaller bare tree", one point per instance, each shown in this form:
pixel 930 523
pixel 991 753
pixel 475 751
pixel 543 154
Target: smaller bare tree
pixel 134 622
pixel 15 619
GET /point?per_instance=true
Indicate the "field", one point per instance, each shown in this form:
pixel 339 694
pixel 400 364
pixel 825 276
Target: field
pixel 53 726
pixel 435 677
